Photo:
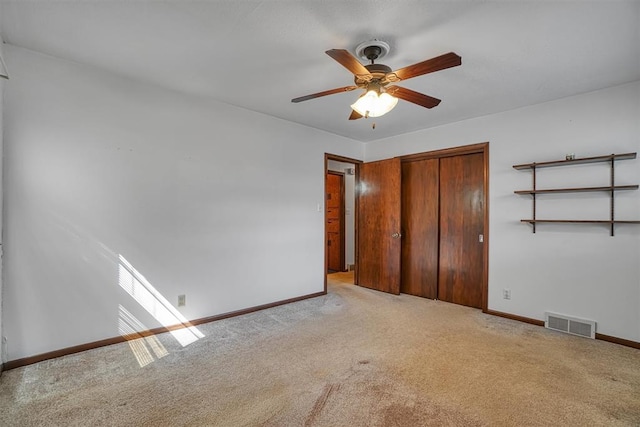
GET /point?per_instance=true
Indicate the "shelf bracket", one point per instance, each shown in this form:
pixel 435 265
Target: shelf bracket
pixel 613 183
pixel 533 195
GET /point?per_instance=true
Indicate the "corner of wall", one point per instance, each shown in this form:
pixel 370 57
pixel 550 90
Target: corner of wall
pixel 2 83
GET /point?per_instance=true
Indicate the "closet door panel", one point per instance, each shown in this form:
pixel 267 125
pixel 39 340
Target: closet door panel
pixel 378 265
pixel 420 193
pixel 461 266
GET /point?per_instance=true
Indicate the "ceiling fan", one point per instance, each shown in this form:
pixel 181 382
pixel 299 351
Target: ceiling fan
pixel 380 97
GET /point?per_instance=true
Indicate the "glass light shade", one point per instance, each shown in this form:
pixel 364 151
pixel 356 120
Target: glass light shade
pixel 373 105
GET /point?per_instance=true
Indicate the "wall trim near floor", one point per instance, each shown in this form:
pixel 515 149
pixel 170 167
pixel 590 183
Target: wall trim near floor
pixel 515 317
pixel 12 364
pixel 603 337
pixel 616 340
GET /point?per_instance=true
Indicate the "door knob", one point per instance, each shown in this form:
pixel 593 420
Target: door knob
pixel 396 235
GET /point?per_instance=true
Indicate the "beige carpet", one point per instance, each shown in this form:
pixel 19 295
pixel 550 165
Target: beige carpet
pixel 355 357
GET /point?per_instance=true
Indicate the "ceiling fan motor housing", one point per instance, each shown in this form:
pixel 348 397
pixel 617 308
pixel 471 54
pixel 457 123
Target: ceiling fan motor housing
pixel 372 50
pixel 378 71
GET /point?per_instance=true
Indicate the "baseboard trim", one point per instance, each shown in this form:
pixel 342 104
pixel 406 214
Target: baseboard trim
pixel 616 340
pixel 253 309
pixel 516 317
pixel 17 363
pixel 602 337
pixel 12 364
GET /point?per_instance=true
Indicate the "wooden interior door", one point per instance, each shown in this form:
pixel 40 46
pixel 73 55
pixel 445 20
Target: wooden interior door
pixel 461 268
pixel 335 221
pixel 378 265
pixel 420 227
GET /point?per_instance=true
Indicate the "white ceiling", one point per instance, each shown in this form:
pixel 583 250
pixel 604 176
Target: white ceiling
pixel 260 54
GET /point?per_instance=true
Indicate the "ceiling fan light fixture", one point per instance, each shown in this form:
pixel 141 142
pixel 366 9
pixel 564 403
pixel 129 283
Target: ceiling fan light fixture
pixel 374 104
pixel 380 97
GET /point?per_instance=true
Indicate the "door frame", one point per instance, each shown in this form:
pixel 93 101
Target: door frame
pixel 356 163
pixel 482 148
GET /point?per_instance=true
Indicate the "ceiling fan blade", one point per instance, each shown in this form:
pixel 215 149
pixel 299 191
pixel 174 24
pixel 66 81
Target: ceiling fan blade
pixel 438 63
pixel 349 62
pixel 325 93
pixel 413 96
pixel 355 115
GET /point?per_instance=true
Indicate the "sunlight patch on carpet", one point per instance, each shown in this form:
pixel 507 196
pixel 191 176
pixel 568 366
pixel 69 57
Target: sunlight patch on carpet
pixel 141 346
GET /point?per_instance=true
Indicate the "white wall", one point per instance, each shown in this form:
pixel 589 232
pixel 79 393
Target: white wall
pixel 197 195
pixel 572 269
pixel 349 206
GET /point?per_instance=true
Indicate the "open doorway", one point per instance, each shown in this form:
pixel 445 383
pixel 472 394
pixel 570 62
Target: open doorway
pixel 341 176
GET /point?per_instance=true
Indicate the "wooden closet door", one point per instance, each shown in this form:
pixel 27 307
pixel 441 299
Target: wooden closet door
pixel 461 268
pixel 420 226
pixel 378 265
pixel 335 221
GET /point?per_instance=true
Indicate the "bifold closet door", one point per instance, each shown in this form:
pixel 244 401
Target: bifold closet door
pixel 420 210
pixel 461 226
pixel 378 265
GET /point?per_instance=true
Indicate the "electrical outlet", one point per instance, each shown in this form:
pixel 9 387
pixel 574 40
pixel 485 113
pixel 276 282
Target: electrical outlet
pixel 182 300
pixel 506 293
